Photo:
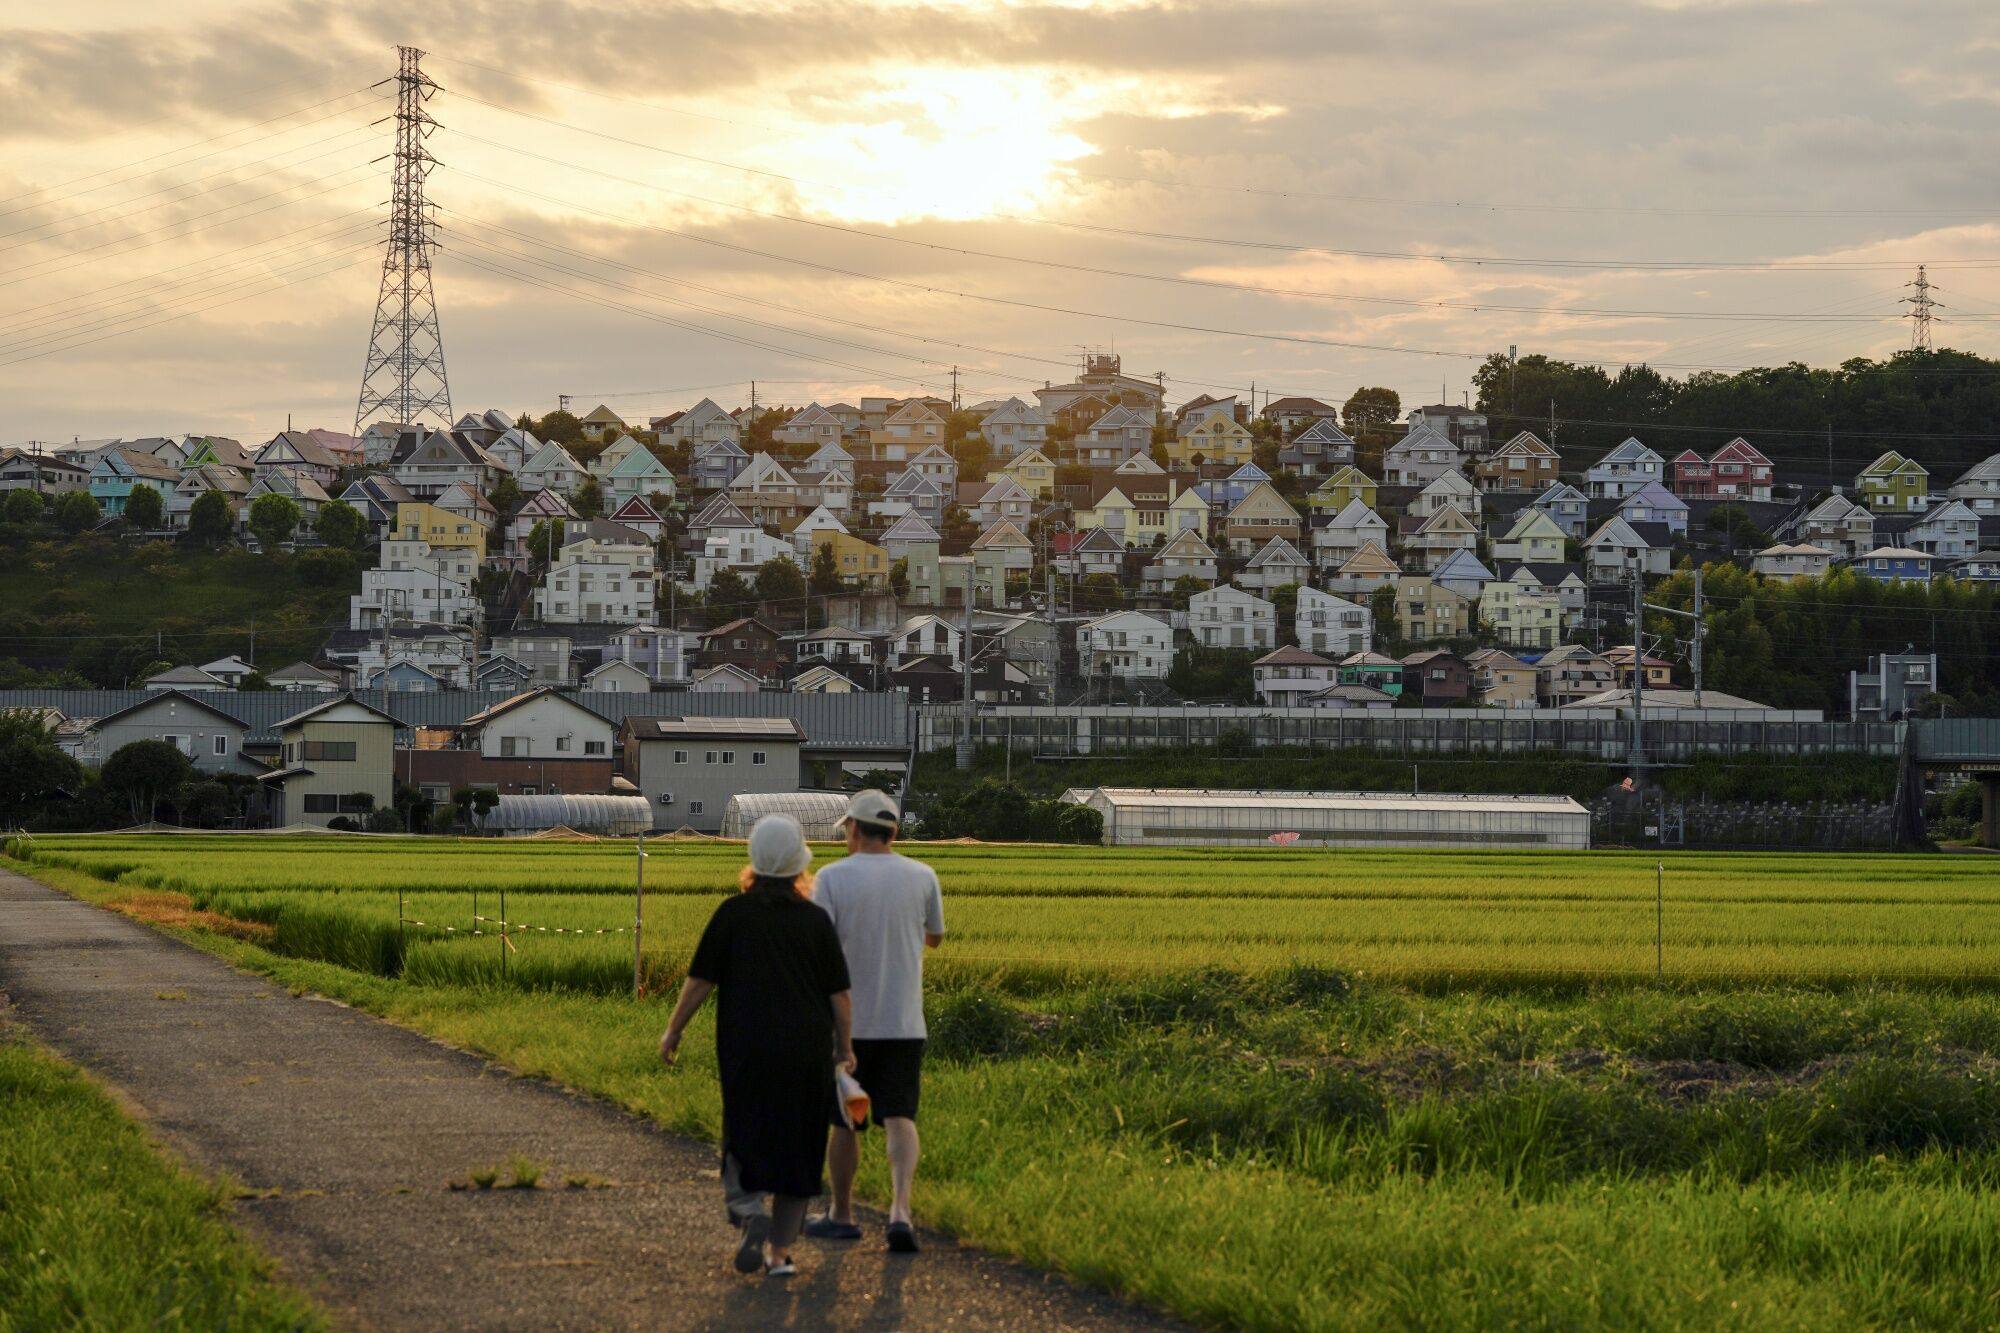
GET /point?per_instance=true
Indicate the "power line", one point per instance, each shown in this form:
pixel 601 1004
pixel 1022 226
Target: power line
pixel 160 239
pixel 1181 280
pixel 183 315
pixel 234 174
pixel 1456 205
pixel 313 106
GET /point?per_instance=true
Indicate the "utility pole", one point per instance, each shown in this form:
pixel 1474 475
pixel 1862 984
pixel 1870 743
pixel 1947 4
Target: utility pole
pixel 965 673
pixel 1552 423
pixel 1638 751
pixel 1700 632
pixel 1049 613
pixel 403 375
pixel 562 402
pixel 954 388
pixel 1921 305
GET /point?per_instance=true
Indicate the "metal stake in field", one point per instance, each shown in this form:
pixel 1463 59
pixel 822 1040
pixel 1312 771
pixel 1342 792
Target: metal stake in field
pixel 1659 921
pixel 639 920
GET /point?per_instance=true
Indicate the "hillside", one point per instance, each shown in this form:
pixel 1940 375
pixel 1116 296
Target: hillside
pixel 106 609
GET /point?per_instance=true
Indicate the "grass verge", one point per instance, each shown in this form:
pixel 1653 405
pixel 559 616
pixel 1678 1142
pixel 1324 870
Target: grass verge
pixel 1299 1150
pixel 98 1230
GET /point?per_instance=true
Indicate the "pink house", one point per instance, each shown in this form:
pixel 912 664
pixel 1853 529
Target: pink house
pixel 1736 471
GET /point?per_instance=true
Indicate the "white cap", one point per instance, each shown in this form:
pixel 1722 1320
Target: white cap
pixel 873 807
pixel 778 847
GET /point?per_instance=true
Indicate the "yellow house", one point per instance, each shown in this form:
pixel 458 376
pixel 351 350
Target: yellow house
pixel 1032 470
pixel 1259 516
pixel 1217 437
pixel 420 522
pixel 1348 483
pixel 1112 509
pixel 862 563
pixel 1427 610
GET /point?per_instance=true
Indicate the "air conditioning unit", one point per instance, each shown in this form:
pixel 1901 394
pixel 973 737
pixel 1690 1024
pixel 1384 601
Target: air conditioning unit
pixel 666 798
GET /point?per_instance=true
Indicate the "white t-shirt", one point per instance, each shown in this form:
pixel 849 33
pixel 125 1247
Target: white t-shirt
pixel 882 905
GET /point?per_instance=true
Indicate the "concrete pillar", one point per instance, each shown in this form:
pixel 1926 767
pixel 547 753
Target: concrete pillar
pixel 1989 809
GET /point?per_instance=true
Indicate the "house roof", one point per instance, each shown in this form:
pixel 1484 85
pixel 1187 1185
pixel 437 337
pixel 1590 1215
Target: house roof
pixel 1277 551
pixel 191 676
pixel 1291 656
pixel 318 708
pixel 714 728
pixel 741 622
pixel 156 696
pixel 492 713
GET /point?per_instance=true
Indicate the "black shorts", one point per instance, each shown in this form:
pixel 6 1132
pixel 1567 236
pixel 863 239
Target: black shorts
pixel 891 1072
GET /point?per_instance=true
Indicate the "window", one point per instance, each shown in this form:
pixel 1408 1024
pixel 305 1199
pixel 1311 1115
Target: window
pixel 708 757
pixel 562 744
pixel 509 746
pixel 330 751
pixel 593 747
pixel 322 804
pixel 757 756
pixel 680 756
pixel 729 756
pixel 222 745
pixel 694 807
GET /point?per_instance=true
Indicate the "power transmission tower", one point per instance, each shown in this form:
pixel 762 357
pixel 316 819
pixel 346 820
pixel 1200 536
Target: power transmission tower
pixel 403 378
pixel 1921 305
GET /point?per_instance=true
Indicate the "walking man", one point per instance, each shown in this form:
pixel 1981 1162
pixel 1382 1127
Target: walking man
pixel 887 909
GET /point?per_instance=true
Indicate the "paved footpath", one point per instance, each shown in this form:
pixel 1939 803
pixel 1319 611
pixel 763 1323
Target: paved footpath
pixel 355 1126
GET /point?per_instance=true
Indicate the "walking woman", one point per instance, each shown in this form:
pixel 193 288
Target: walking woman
pixel 781 1023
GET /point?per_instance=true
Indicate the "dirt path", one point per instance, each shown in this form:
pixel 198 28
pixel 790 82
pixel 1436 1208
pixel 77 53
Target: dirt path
pixel 355 1126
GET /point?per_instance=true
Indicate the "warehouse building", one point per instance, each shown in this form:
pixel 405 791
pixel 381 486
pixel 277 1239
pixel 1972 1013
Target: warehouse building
pixel 1187 817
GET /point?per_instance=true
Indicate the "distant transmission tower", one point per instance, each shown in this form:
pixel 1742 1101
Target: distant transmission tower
pixel 404 375
pixel 1921 305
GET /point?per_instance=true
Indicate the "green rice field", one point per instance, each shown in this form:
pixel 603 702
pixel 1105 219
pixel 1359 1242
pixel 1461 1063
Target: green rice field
pixel 1028 916
pixel 1284 1089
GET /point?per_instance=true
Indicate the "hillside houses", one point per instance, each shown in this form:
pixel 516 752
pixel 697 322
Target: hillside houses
pixel 1085 504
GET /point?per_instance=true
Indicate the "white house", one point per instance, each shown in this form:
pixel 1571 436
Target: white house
pixel 1419 458
pixel 1185 556
pixel 1447 490
pixel 1654 503
pixel 1949 531
pixel 1285 676
pixel 1346 533
pixel 416 582
pixel 1331 626
pixel 1014 428
pixel 1125 645
pixel 1980 486
pixel 594 581
pixel 1228 617
pixel 1567 507
pixel 541 724
pixel 1794 561
pixel 1276 565
pixel 1615 549
pixel 1627 468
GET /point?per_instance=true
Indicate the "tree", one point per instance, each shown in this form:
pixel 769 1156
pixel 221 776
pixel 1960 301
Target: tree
pixel 210 519
pixel 589 499
pixel 473 804
pixel 77 511
pixel 563 428
pixel 545 539
pixel 340 524
pixel 273 519
pixel 825 579
pixel 144 773
pixel 1201 672
pixel 958 530
pixel 1382 615
pixel 780 583
pixel 506 497
pixel 144 509
pixel 1370 409
pixel 33 768
pixel 22 507
pixel 729 598
pixel 899 576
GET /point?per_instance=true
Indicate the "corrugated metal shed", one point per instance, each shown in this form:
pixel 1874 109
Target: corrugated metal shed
pixel 1191 817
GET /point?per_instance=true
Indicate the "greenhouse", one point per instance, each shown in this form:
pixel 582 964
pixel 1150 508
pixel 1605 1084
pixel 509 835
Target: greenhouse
pixel 1160 817
pixel 616 816
pixel 818 812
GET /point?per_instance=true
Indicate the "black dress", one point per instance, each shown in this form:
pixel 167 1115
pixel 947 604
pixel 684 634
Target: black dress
pixel 775 962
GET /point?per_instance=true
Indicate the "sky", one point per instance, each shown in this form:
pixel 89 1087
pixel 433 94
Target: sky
pixel 647 203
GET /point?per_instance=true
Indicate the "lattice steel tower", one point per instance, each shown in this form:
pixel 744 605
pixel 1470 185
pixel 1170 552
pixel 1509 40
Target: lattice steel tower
pixel 404 376
pixel 1921 305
